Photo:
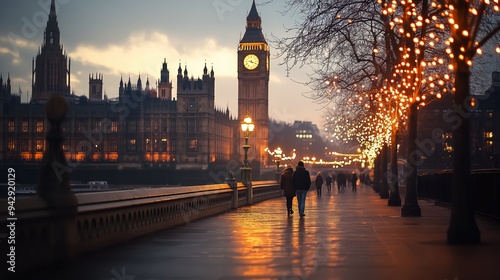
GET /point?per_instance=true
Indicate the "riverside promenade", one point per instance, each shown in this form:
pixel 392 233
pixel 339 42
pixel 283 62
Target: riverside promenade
pixel 343 236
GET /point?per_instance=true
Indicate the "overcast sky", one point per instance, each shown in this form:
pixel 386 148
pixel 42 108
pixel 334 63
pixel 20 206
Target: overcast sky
pixel 127 37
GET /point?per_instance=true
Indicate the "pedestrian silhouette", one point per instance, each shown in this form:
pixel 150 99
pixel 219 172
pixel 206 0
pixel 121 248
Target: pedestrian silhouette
pixel 328 182
pixel 354 178
pixel 286 184
pixel 319 183
pixel 301 183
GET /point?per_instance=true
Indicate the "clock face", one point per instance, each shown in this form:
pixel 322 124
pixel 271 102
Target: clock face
pixel 251 61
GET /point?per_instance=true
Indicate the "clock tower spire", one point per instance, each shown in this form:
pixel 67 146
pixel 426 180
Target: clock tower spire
pixel 253 83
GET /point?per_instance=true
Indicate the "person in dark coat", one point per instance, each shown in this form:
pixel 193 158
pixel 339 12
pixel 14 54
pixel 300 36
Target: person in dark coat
pixel 354 179
pixel 319 183
pixel 340 179
pixel 343 181
pixel 328 182
pixel 286 184
pixel 302 183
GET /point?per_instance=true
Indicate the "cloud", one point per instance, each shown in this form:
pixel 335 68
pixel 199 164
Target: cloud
pixel 275 79
pixel 144 52
pixel 20 80
pixel 13 45
pixel 18 42
pixel 4 50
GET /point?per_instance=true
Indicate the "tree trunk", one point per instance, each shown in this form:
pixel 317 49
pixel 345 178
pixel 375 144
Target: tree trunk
pixel 384 192
pixel 394 199
pixel 376 174
pixel 411 207
pixel 463 228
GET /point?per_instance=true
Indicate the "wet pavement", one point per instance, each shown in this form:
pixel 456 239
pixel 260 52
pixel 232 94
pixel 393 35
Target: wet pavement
pixel 343 236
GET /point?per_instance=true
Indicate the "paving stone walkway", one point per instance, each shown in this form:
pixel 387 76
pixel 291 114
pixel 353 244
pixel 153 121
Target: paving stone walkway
pixel 343 236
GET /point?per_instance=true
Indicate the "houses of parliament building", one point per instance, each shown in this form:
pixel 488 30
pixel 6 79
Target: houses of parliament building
pixel 143 126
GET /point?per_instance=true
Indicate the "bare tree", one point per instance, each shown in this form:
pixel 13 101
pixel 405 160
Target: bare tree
pixel 372 53
pixel 472 24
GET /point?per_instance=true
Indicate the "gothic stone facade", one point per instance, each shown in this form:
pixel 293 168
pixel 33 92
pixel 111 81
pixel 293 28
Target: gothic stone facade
pixel 135 130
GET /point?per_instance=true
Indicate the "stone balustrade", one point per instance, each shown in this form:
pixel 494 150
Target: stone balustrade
pixel 46 235
pixel 56 224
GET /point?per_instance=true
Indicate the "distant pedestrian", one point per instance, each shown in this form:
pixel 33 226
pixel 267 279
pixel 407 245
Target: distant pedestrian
pixel 328 182
pixel 339 178
pixel 341 181
pixel 302 183
pixel 286 184
pixel 319 183
pixel 354 179
pixel 344 181
pixel 334 179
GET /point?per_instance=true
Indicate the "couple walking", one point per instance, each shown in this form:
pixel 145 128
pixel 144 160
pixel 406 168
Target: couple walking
pixel 295 183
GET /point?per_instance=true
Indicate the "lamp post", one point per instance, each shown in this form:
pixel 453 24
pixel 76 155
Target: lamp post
pixel 278 152
pixel 247 126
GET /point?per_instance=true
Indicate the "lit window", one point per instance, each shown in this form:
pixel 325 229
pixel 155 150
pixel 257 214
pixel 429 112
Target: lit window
pixel 11 126
pixel 488 146
pixel 131 145
pixel 447 147
pixel 98 125
pixel 39 126
pixel 488 134
pixel 164 145
pixel 24 145
pixel 39 145
pixel 114 126
pixel 193 145
pixel 11 146
pixel 24 126
pixel 113 145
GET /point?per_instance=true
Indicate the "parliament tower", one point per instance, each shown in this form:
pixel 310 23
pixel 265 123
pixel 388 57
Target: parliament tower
pixel 253 84
pixel 50 70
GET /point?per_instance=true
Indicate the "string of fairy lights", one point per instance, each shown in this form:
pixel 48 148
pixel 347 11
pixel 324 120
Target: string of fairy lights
pixel 278 153
pixel 424 73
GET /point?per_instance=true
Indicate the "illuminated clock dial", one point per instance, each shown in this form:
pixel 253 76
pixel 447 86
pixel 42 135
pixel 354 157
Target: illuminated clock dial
pixel 251 61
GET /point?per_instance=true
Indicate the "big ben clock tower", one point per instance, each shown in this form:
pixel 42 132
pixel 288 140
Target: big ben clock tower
pixel 253 84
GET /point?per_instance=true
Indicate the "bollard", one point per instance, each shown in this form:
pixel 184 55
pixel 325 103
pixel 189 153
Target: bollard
pixel 249 192
pixel 231 181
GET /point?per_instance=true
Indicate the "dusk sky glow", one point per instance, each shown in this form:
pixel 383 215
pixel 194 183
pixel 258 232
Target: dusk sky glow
pixel 124 38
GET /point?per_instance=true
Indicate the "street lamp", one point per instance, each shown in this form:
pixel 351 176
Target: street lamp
pixel 278 152
pixel 247 126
